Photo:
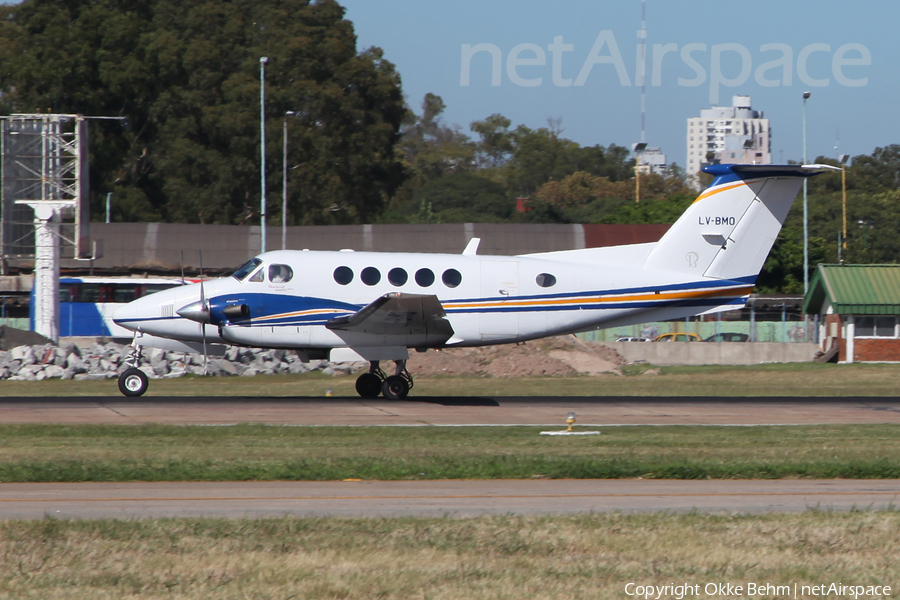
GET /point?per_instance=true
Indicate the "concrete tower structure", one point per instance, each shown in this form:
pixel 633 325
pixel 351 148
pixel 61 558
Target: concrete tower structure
pixel 728 134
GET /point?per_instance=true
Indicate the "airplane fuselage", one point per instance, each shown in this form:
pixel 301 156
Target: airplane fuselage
pixel 487 299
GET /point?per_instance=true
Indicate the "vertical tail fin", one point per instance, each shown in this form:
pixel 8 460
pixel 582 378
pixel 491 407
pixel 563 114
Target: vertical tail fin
pixel 730 228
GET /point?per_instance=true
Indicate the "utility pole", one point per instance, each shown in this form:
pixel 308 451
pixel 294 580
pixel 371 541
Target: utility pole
pixel 262 153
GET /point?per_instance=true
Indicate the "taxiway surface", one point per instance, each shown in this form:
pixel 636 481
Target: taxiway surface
pixel 436 498
pixel 436 410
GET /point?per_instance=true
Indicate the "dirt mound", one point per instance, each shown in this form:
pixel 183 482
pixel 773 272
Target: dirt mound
pixel 11 338
pixel 554 357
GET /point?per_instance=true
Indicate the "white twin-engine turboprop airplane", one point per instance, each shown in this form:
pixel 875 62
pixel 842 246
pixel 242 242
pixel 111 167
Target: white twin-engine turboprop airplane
pixel 376 306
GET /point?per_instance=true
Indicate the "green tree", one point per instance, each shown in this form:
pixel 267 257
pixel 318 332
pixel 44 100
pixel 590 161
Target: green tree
pixel 877 172
pixel 524 159
pixel 460 198
pixel 185 73
pixel 432 148
pixel 496 144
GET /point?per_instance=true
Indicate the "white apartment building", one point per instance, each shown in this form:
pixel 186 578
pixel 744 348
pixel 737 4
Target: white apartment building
pixel 651 160
pixel 728 134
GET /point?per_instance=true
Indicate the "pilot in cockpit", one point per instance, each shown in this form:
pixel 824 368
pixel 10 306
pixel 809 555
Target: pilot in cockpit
pixel 279 273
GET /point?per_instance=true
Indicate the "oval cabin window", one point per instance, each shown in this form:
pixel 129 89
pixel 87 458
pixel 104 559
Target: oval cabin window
pixel 451 278
pixel 397 277
pixel 370 276
pixel 343 275
pixel 424 277
pixel 545 280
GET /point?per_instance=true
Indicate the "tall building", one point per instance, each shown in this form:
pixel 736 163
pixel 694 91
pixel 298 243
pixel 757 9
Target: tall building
pixel 652 160
pixel 728 134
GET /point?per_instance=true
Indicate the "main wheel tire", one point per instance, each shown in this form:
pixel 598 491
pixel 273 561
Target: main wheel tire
pixel 395 388
pixel 133 382
pixel 368 385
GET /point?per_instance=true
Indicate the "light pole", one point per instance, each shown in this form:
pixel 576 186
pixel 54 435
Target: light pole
pixel 805 208
pixel 284 181
pixel 637 148
pixel 262 153
pixel 843 158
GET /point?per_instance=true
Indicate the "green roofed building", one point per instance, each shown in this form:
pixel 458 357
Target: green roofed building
pixel 859 308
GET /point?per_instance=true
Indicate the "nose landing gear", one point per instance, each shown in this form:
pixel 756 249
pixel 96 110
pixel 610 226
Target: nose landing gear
pixel 133 381
pixel 375 382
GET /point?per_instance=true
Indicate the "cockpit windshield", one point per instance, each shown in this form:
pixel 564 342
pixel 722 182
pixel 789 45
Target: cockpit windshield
pixel 244 271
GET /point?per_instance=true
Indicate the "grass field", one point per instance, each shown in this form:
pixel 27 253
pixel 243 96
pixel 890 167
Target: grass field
pixel 515 558
pixel 793 379
pixel 31 453
pixel 587 556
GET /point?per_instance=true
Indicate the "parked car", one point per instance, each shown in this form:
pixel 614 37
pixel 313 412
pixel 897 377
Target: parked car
pixel 728 337
pixel 678 337
pixel 631 339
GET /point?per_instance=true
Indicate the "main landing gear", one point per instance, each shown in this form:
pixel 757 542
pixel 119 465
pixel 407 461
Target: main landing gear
pixel 133 381
pixel 375 382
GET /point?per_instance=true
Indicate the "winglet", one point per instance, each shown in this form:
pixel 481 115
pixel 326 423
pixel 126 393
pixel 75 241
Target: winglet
pixel 472 247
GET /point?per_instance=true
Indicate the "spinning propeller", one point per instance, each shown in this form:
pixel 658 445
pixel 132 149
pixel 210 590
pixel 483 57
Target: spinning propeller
pixel 199 312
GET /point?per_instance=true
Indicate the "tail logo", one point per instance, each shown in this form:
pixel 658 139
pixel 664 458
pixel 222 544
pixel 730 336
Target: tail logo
pixel 692 258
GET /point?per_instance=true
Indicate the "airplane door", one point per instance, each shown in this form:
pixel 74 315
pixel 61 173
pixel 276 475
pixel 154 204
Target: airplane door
pixel 500 285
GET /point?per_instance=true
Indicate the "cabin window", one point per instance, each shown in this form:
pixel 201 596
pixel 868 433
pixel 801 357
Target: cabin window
pixel 424 277
pixel 398 276
pixel 258 276
pixel 280 273
pixel 370 276
pixel 343 275
pixel 451 278
pixel 545 280
pixel 248 268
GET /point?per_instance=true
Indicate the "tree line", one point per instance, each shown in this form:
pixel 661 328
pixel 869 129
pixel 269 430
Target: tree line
pixel 185 76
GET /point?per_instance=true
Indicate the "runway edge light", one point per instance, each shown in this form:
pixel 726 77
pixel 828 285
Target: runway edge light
pixel 570 419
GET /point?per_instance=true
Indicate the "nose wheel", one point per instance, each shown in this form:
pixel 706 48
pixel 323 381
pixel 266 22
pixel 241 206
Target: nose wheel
pixel 133 381
pixel 375 382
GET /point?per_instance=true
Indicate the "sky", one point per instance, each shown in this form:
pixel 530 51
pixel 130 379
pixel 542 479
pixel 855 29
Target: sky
pixel 576 60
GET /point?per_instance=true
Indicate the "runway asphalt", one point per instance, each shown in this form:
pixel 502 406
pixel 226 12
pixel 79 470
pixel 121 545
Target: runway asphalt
pixel 438 410
pixel 380 499
pixel 440 498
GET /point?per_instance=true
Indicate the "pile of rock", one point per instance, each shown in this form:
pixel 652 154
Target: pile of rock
pixel 106 361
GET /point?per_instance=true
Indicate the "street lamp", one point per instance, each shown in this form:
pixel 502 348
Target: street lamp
pixel 284 181
pixel 637 148
pixel 843 158
pixel 805 207
pixel 262 153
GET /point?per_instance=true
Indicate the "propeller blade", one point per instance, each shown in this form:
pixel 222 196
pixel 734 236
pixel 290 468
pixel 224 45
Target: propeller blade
pixel 205 308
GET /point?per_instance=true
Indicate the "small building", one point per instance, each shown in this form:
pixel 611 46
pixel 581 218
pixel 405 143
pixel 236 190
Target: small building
pixel 859 311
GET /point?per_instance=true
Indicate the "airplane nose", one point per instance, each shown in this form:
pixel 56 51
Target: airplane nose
pixel 125 315
pixel 148 309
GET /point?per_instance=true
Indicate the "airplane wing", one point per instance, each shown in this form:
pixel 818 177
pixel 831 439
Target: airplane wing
pixel 397 314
